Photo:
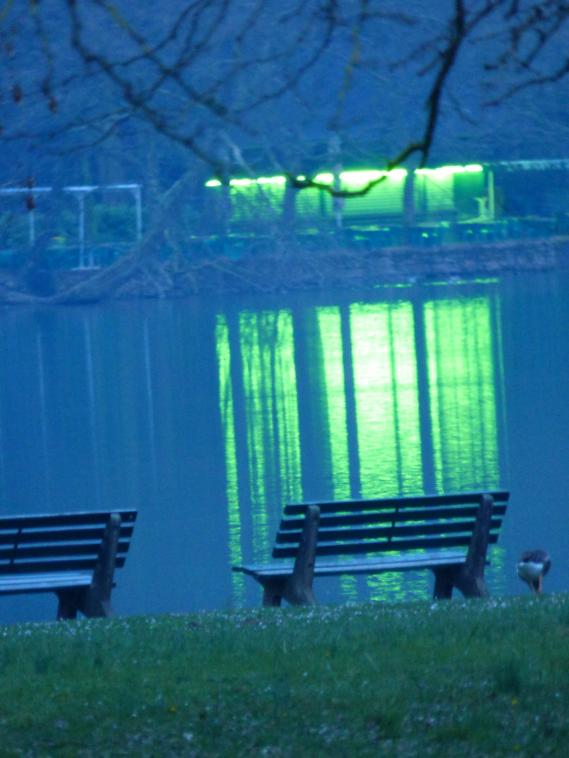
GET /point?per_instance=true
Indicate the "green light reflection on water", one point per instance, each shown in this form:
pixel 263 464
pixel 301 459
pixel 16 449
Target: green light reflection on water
pixel 334 388
pixel 387 402
pixel 226 406
pixel 273 448
pixel 460 365
pixel 462 385
pixel 385 379
pixel 461 396
pixel 330 332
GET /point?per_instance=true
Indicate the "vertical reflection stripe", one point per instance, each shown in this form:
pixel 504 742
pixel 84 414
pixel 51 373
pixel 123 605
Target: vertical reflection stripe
pixel 228 430
pixel 269 382
pixel 334 388
pixel 460 357
pixel 387 403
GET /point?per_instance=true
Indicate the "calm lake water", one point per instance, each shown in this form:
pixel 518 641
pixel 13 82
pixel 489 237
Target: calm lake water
pixel 207 415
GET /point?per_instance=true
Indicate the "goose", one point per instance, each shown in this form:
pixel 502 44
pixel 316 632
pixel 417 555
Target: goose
pixel 532 567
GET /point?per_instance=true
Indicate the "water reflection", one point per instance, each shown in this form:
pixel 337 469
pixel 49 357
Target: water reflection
pixel 341 435
pixel 462 380
pixel 387 398
pixel 227 411
pixel 366 399
pixel 208 417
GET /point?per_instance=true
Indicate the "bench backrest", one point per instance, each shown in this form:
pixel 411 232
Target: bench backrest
pixel 58 542
pixel 425 522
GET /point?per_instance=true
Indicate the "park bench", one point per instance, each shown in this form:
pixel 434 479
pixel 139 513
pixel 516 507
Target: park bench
pixel 73 555
pixel 447 534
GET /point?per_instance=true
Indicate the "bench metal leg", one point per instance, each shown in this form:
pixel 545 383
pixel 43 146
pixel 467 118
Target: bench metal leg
pixel 69 601
pixel 95 601
pixel 471 585
pixel 470 580
pixel 446 579
pixel 444 583
pixel 273 593
pixel 296 589
pixel 294 592
pixel 89 603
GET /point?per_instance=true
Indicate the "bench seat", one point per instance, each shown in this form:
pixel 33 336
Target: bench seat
pixel 447 534
pixel 27 583
pixel 368 566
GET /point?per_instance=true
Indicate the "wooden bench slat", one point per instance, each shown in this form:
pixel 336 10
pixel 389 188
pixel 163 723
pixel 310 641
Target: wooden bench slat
pixel 59 534
pixel 54 550
pixel 382 517
pixel 386 533
pixel 337 568
pixel 57 565
pixel 362 548
pixel 416 501
pixel 33 520
pixel 13 585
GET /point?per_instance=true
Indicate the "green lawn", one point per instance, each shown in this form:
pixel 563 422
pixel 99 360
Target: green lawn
pixel 453 679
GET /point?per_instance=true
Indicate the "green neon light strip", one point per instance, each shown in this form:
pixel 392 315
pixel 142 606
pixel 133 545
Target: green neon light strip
pixel 228 427
pixel 355 179
pixel 442 171
pixel 279 181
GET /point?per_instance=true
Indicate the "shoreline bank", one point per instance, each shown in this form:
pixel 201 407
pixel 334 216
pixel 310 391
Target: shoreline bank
pixel 290 269
pixel 345 268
